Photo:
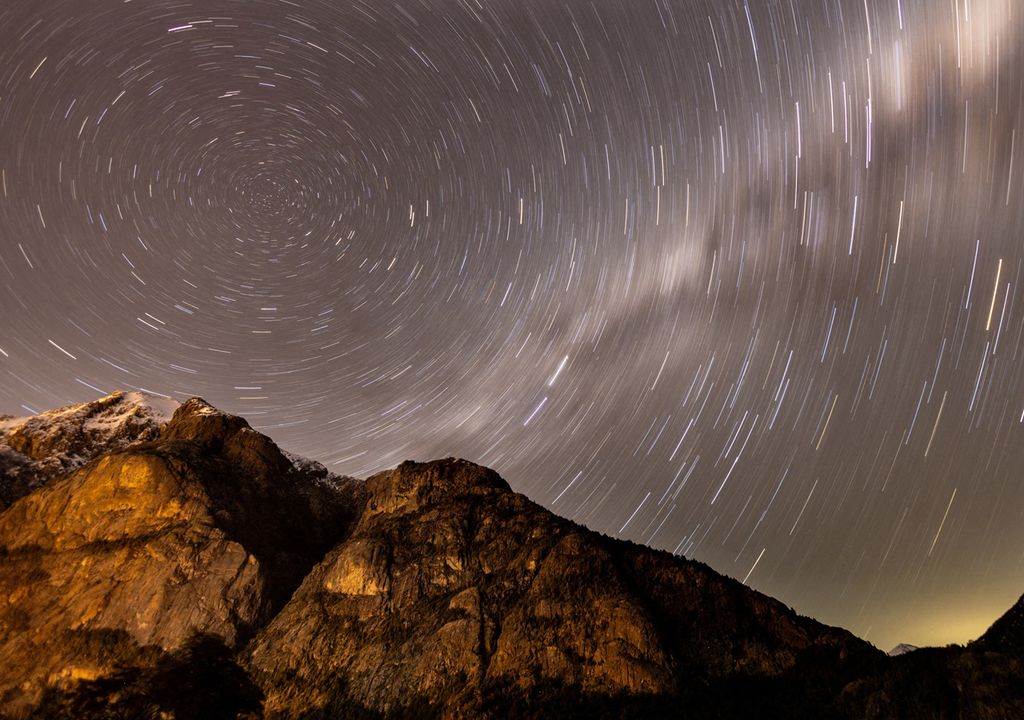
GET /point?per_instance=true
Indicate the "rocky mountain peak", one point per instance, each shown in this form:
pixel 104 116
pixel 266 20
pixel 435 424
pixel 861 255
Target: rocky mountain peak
pixel 200 424
pixel 197 420
pixel 412 486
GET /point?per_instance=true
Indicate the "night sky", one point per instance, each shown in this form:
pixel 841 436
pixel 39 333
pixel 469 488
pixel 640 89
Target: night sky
pixel 739 279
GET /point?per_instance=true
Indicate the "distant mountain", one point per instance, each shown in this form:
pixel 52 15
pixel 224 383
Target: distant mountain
pixel 902 649
pixel 184 567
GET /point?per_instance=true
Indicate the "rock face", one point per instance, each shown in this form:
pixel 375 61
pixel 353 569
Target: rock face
pixel 194 570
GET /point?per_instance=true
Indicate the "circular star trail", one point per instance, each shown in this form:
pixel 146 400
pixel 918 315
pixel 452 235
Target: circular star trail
pixel 740 280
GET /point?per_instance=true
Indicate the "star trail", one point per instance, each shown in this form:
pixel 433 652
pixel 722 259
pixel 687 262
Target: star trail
pixel 738 279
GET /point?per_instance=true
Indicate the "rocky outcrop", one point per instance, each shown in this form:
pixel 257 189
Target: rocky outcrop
pixel 201 572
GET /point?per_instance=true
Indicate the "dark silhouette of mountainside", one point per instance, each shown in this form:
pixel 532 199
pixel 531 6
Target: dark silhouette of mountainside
pixel 158 566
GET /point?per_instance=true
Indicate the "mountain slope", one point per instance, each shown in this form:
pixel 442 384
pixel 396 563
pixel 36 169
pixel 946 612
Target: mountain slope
pixel 1006 633
pixel 191 569
pixel 457 595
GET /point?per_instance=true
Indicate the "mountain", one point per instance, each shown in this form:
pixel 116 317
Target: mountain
pixel 182 566
pixel 902 649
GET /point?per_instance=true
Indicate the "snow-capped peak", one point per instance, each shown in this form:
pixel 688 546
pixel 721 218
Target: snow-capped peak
pixel 902 649
pixel 160 407
pixel 109 411
pixel 61 440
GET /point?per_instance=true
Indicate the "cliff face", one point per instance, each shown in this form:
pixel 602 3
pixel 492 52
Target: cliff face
pixel 193 570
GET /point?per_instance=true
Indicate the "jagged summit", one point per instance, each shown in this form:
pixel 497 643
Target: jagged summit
pixel 413 485
pixel 183 566
pixel 196 420
pixel 198 406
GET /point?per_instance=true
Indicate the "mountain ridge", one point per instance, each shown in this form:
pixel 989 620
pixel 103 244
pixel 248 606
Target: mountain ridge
pixel 429 590
pixel 37 447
